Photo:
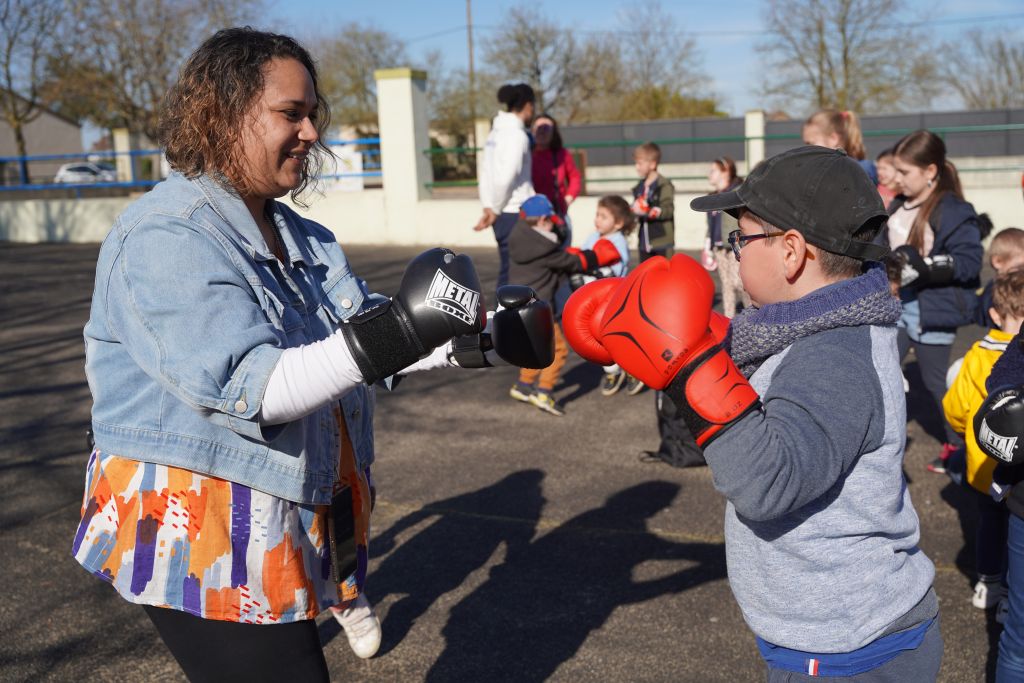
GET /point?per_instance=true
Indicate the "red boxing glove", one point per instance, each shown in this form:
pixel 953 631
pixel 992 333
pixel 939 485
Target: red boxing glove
pixel 606 253
pixel 719 325
pixel 657 327
pixel 603 253
pixel 581 318
pixel 640 206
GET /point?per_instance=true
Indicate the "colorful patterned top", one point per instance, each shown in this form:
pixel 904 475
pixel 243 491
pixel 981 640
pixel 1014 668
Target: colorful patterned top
pixel 174 538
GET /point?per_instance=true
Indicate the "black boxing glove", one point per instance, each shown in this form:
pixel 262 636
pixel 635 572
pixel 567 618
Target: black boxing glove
pixel 438 299
pixel 577 280
pixel 520 333
pixel 918 271
pixel 523 332
pixel 999 425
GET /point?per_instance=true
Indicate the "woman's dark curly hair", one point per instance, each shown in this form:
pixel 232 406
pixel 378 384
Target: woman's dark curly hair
pixel 204 112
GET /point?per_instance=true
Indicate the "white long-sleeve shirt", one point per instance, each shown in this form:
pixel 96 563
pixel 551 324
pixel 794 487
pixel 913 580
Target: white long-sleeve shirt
pixel 504 176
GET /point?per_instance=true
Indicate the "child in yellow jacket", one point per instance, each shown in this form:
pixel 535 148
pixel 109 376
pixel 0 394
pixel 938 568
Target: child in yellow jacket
pixel 960 403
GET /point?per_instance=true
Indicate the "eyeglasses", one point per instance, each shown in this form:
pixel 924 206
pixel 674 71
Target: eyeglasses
pixel 737 241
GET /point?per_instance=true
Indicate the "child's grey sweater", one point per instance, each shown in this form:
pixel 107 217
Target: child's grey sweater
pixel 821 536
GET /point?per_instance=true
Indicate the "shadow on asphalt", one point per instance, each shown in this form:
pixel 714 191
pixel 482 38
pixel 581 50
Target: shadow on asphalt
pixel 553 587
pixel 584 377
pixel 563 585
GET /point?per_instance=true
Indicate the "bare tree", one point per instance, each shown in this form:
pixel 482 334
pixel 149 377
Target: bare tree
pixel 28 30
pixel 347 62
pixel 845 54
pixel 653 74
pixel 448 97
pixel 121 56
pixel 533 49
pixel 598 91
pixel 986 70
pixel 658 55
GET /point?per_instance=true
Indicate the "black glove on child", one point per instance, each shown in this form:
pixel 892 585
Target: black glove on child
pixel 919 271
pixel 439 299
pixel 999 425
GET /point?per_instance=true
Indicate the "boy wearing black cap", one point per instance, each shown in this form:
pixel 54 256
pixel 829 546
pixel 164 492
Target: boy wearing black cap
pixel 802 419
pixel 821 535
pixel 538 261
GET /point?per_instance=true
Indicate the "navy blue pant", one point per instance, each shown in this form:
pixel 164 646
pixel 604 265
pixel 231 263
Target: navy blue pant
pixel 502 229
pixel 1010 667
pixel 921 664
pixel 990 537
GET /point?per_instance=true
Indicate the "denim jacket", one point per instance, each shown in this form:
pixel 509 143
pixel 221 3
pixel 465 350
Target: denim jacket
pixel 190 314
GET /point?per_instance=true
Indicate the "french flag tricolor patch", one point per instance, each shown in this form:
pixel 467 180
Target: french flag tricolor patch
pixel 812 667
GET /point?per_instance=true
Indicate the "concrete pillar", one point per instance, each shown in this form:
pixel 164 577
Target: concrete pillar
pixel 127 164
pixel 753 130
pixel 403 124
pixel 481 129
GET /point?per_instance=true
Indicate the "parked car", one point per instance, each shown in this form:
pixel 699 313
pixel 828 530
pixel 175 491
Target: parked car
pixel 86 172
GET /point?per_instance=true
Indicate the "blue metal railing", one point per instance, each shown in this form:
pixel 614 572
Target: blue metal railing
pixel 371 167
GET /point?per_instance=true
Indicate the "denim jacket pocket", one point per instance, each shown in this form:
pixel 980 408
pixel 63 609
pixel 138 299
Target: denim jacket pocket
pixel 285 318
pixel 343 298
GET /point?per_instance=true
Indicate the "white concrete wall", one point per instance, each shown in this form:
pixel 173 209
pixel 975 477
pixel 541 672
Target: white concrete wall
pixel 363 217
pixel 59 220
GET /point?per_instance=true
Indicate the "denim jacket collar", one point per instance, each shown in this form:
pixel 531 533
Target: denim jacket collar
pixel 296 250
pixel 229 205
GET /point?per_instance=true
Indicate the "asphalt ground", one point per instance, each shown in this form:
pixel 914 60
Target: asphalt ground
pixel 508 544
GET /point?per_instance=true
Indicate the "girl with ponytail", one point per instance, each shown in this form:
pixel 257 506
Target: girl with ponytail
pixel 839 130
pixel 935 235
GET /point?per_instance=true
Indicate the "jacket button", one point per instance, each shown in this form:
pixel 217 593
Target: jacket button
pixel 240 406
pixel 346 303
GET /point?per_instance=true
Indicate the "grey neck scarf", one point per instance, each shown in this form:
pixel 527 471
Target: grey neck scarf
pixel 758 333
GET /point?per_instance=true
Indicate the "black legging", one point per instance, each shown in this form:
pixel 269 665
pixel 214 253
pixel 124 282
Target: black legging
pixel 933 363
pixel 212 650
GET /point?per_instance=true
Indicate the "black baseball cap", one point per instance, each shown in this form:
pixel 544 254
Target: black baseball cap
pixel 820 192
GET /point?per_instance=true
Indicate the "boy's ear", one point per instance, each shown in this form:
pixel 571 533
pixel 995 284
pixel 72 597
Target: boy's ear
pixel 795 253
pixel 994 314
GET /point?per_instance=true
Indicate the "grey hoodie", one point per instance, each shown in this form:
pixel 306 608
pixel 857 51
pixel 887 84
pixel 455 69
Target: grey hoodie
pixel 821 536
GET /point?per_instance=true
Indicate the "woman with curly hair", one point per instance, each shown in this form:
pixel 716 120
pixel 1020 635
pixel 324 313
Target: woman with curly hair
pixel 231 353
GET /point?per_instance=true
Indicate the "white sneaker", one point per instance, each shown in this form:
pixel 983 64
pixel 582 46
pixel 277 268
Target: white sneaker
pixel 361 626
pixel 988 594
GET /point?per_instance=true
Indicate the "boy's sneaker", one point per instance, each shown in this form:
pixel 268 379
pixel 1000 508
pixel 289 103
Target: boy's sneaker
pixel 543 400
pixel 612 382
pixel 518 394
pixel 634 386
pixel 361 626
pixel 938 465
pixel 987 594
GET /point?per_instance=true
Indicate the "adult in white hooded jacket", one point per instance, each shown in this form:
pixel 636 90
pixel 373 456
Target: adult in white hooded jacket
pixel 504 174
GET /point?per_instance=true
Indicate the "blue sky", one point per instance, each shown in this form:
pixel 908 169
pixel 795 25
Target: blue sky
pixel 727 34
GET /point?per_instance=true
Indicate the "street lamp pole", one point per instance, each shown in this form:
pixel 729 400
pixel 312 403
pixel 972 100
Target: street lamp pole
pixel 472 87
